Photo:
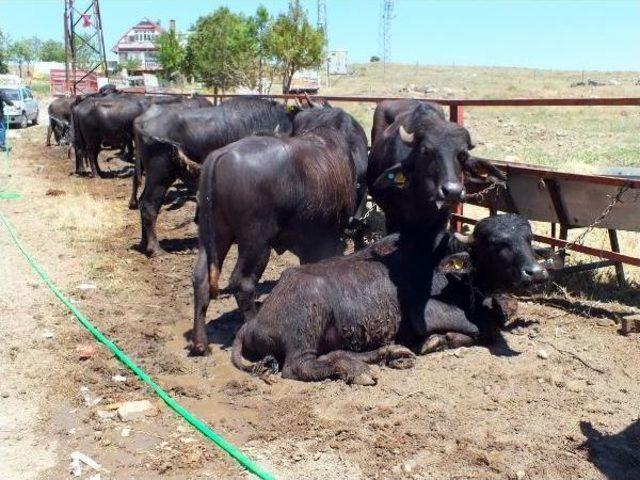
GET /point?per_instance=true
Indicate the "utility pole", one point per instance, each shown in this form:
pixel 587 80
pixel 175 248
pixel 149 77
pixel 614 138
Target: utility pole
pixel 386 15
pixel 322 23
pixel 83 42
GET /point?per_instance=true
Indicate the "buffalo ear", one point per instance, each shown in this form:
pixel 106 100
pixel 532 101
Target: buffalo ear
pixel 480 170
pixel 455 263
pixel 391 177
pixel 470 144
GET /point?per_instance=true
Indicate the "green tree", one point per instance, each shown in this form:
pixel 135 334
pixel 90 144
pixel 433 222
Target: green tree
pixel 52 51
pixel 294 43
pixel 22 53
pixel 4 68
pixel 130 64
pixel 170 54
pixel 221 50
pixel 259 25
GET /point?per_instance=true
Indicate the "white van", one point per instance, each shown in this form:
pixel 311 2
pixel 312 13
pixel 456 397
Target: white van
pixel 25 108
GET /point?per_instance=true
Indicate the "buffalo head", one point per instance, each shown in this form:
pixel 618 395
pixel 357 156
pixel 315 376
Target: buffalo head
pixel 437 155
pixel 500 254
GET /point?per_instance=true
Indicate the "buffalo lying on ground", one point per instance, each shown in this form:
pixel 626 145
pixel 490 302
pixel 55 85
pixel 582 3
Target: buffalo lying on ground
pixel 109 120
pixel 415 168
pixel 294 194
pixel 329 319
pixel 172 146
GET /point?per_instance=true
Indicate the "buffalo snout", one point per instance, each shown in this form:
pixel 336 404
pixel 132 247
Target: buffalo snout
pixel 533 273
pixel 451 192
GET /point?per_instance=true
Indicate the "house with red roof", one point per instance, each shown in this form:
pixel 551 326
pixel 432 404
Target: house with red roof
pixel 139 43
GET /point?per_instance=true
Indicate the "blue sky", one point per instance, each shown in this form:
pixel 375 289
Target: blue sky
pixel 591 35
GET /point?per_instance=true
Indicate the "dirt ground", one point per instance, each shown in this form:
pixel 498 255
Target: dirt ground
pixel 502 413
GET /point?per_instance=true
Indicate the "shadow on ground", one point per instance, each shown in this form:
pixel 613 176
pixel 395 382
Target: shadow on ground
pixel 222 330
pixel 617 456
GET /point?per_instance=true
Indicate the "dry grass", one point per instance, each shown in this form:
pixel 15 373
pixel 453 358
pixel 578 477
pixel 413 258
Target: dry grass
pixel 86 217
pixel 570 138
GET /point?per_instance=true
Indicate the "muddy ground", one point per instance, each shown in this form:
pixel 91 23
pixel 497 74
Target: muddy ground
pixel 470 413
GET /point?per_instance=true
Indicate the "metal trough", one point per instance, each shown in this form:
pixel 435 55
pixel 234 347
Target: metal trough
pixel 569 200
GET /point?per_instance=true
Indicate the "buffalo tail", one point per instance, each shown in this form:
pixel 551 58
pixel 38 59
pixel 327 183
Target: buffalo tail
pixel 206 227
pixel 268 365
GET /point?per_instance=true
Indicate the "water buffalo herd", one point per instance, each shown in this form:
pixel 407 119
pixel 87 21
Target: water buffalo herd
pixel 271 176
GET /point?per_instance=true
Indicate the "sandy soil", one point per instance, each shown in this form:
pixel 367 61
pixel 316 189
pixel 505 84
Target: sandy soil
pixel 471 413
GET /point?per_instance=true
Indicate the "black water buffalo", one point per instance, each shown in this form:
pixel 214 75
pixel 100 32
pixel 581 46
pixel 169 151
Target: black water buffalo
pixel 59 120
pixel 156 112
pixel 174 145
pixel 387 111
pixel 294 194
pixel 100 120
pixel 322 113
pixel 415 168
pixel 329 319
pixel 60 113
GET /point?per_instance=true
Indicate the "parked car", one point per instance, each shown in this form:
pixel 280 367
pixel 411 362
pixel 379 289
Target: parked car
pixel 25 108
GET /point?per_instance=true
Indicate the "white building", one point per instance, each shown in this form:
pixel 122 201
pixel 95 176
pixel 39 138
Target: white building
pixel 338 61
pixel 139 43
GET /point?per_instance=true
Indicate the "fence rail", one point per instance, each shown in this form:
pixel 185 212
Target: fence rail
pixel 511 102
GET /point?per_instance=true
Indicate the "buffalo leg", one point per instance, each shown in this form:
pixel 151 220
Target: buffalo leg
pixel 135 184
pixel 395 356
pixel 201 299
pixel 252 260
pixel 79 159
pixel 93 162
pixel 334 365
pixel 49 131
pixel 438 342
pixel 151 201
pixel 202 291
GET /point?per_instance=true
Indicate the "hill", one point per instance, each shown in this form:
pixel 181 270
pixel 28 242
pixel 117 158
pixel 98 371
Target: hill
pixel 569 138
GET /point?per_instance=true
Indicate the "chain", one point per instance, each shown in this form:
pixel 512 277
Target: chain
pixel 580 238
pixel 484 191
pixel 370 210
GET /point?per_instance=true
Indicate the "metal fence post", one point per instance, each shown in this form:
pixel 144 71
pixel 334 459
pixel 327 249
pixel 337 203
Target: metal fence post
pixel 456 114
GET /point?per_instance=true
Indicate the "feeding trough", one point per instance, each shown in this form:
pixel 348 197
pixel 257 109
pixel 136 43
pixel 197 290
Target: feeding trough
pixel 570 200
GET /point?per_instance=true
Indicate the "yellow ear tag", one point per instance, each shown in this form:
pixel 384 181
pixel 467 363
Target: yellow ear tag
pixel 400 179
pixel 457 263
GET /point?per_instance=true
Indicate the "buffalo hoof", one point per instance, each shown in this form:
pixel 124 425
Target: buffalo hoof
pixel 402 363
pixel 199 349
pixel 400 357
pixel 434 343
pixel 154 252
pixel 364 378
pixel 133 205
